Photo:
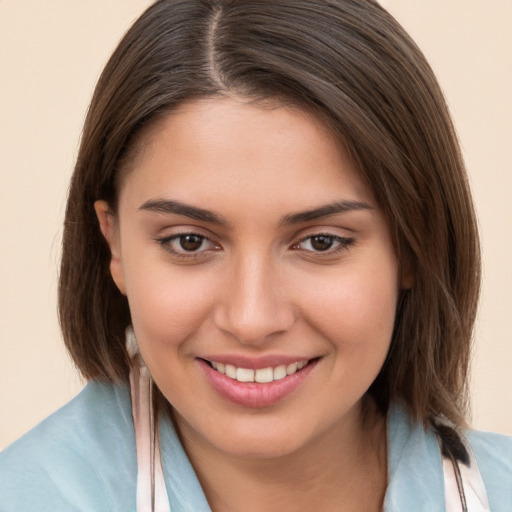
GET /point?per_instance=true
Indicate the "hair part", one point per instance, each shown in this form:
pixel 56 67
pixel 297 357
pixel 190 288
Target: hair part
pixel 351 64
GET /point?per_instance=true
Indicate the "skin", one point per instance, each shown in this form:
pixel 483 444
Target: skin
pixel 256 285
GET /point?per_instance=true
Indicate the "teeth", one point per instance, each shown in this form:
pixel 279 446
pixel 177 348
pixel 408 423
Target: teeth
pixel 244 375
pixel 291 369
pixel 262 375
pixel 230 371
pixel 280 372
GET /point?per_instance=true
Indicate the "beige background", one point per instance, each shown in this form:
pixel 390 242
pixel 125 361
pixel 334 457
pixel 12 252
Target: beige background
pixel 51 54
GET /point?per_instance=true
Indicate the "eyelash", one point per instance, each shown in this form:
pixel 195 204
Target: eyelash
pixel 166 242
pixel 343 244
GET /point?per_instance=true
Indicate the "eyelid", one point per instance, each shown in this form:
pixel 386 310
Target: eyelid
pixel 340 242
pixel 166 240
pixel 343 243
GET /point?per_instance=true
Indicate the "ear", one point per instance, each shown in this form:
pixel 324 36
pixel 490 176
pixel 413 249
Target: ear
pixel 110 230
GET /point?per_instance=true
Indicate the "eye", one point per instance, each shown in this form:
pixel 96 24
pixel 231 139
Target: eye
pixel 324 243
pixel 187 244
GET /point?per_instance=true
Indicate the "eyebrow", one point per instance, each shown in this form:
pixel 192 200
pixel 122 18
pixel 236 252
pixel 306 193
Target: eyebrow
pixel 193 212
pixel 325 211
pixel 177 208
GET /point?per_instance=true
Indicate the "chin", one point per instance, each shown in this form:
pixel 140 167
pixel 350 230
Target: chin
pixel 263 448
pixel 248 438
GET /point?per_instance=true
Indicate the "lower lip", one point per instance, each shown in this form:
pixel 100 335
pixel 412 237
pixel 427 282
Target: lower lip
pixel 254 394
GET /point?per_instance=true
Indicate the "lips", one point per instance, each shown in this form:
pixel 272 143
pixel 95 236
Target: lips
pixel 262 384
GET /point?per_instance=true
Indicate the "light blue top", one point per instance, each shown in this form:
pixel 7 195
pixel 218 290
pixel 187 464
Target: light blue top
pixel 82 458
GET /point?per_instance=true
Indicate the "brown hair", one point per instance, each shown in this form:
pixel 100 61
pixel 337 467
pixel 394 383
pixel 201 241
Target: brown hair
pixel 352 63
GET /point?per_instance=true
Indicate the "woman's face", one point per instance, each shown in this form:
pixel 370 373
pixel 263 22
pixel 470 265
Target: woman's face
pixel 260 275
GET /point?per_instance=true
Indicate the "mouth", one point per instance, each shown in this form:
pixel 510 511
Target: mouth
pixel 267 383
pixel 260 375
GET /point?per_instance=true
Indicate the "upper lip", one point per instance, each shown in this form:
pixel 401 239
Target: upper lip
pixel 255 363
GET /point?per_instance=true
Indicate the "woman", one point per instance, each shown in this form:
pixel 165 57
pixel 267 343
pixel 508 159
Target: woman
pixel 270 236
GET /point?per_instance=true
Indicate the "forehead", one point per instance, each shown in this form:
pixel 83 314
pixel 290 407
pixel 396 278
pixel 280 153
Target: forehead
pixel 224 147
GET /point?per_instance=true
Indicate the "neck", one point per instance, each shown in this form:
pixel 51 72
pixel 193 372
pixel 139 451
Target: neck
pixel 346 465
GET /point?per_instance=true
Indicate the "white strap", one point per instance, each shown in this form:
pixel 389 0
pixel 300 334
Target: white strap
pixel 151 490
pixel 464 487
pixel 161 498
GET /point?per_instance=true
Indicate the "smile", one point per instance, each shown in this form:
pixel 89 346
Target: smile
pixel 257 387
pixel 261 375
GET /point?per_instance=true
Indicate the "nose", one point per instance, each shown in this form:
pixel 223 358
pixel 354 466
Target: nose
pixel 254 306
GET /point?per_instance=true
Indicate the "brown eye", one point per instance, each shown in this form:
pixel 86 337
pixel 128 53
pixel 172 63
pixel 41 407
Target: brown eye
pixel 190 242
pixel 187 244
pixel 322 242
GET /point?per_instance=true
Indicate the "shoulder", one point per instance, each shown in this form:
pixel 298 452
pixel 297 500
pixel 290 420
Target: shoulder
pixel 85 446
pixel 415 478
pixel 493 453
pixel 415 472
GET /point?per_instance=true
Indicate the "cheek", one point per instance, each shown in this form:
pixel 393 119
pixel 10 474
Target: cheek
pixel 356 309
pixel 167 305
